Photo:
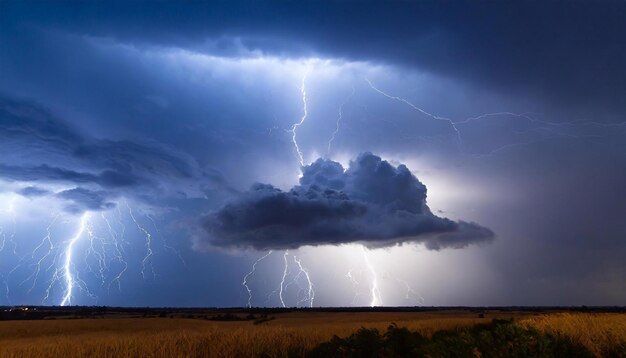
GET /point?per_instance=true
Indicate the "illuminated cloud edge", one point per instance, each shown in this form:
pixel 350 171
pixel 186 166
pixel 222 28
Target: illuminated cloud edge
pixel 371 202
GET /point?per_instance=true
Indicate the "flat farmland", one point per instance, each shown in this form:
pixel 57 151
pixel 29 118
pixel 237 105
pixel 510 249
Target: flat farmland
pixel 278 334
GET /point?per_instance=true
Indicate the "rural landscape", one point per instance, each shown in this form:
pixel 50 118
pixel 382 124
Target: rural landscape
pixel 338 332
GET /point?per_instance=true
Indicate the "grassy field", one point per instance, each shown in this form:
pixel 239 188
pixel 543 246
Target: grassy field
pixel 294 333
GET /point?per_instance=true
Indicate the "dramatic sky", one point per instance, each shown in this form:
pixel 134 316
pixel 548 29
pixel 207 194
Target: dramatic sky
pixel 312 153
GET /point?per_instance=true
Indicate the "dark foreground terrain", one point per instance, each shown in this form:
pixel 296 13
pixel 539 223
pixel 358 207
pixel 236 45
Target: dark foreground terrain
pixel 36 331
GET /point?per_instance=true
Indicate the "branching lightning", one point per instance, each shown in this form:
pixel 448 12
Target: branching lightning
pixel 338 123
pixel 245 278
pixel 375 291
pixel 4 240
pixel 10 240
pixel 546 126
pixel 147 260
pixel 70 281
pixel 433 116
pixel 47 240
pixel 89 254
pixel 310 292
pixel 355 285
pixel 305 113
pixel 411 294
pixel 282 281
pixel 166 245
pixel 117 252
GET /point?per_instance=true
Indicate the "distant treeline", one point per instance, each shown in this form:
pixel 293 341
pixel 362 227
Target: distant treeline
pixel 52 312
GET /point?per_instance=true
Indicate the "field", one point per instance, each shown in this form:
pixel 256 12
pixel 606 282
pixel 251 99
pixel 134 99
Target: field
pixel 291 333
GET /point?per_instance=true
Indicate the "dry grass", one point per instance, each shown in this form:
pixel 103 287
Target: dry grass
pixel 295 333
pixel 599 332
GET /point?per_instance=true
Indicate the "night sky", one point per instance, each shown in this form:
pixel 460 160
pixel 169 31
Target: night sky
pixel 365 153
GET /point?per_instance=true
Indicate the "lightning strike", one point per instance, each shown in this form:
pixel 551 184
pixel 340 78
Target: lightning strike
pixel 428 114
pixel 117 254
pixel 166 245
pixel 545 125
pixel 338 123
pixel 411 294
pixel 375 291
pixel 355 285
pixel 47 240
pixel 67 275
pixel 147 260
pixel 282 281
pixel 245 278
pixel 310 296
pixel 305 113
pixel 11 236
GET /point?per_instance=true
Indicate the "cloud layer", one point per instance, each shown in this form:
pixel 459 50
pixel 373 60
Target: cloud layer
pixel 43 150
pixel 372 202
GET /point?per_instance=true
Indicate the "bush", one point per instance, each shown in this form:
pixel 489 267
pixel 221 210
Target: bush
pixel 500 338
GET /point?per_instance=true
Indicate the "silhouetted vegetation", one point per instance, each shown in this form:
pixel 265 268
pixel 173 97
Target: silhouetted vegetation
pixel 501 338
pixel 49 312
pixel 76 332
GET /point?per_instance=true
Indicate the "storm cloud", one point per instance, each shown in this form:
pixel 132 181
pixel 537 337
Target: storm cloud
pixel 371 202
pixel 178 108
pixel 43 149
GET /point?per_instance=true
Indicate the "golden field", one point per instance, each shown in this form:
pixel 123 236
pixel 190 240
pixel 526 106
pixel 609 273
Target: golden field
pixel 290 332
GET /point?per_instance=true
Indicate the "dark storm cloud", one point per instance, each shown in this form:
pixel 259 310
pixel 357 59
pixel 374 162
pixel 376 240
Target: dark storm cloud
pixel 38 147
pixel 569 52
pixel 372 202
pixel 46 173
pixel 82 199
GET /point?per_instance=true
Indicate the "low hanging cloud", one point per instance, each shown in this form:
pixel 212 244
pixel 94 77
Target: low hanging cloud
pixel 371 202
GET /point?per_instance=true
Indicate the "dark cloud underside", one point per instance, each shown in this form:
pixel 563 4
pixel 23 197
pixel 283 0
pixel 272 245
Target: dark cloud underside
pixel 372 202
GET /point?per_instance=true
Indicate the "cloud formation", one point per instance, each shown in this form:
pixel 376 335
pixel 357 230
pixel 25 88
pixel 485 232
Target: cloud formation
pixel 39 148
pixel 453 41
pixel 371 202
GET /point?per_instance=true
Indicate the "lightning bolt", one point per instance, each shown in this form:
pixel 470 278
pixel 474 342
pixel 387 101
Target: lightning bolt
pixel 147 260
pixel 99 252
pixel 67 274
pixel 310 291
pixel 338 123
pixel 166 245
pixel 305 113
pixel 355 284
pixel 422 111
pixel 282 281
pixel 117 253
pixel 546 126
pixel 375 291
pixel 11 237
pixel 10 240
pixel 245 278
pixel 47 240
pixel 410 292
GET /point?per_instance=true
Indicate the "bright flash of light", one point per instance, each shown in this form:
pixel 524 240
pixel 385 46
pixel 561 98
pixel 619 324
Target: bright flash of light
pixel 375 291
pixel 252 271
pixel 67 266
